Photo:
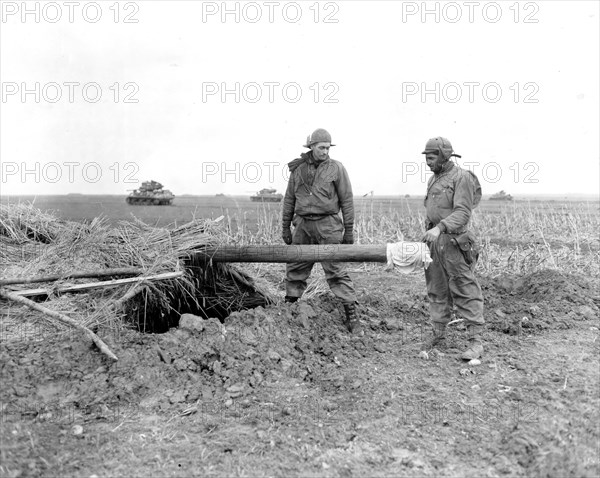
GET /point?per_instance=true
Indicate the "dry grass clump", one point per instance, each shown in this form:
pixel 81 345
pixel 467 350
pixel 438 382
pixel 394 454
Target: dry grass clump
pixel 23 222
pixel 34 243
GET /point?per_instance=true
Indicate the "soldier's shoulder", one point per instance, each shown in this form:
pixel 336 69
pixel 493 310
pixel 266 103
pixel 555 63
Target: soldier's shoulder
pixel 337 163
pixel 472 181
pixel 463 173
pixel 472 176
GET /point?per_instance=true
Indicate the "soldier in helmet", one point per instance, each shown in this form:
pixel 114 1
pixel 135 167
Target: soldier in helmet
pixel 318 189
pixel 452 193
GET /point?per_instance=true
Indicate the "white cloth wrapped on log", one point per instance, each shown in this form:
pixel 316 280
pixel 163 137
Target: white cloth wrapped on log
pixel 407 257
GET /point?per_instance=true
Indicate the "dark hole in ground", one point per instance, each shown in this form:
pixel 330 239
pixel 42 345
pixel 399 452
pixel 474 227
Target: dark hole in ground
pixel 217 291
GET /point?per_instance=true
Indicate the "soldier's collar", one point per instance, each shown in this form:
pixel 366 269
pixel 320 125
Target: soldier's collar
pixel 313 161
pixel 446 168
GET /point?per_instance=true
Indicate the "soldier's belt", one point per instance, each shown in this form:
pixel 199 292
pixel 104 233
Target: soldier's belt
pixel 315 217
pixel 430 225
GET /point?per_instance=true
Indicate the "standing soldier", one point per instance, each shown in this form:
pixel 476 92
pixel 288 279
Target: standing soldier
pixel 317 189
pixel 452 193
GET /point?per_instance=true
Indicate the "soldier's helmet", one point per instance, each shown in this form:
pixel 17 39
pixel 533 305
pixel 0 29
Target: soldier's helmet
pixel 319 135
pixel 441 145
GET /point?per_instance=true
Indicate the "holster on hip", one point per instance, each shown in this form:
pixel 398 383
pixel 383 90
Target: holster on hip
pixel 467 243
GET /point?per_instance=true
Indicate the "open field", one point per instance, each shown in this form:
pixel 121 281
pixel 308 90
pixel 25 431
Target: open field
pixel 517 236
pixel 250 215
pixel 285 391
pixel 80 207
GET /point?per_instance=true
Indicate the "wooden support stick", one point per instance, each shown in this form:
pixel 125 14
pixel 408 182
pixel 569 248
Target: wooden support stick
pixel 98 285
pixel 114 306
pixel 129 295
pixel 296 253
pixel 61 318
pixel 76 275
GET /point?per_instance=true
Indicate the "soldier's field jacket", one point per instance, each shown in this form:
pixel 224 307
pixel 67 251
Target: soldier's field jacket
pixel 318 189
pixel 449 199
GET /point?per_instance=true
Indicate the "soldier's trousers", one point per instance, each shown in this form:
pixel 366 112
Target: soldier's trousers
pixel 326 230
pixel 450 280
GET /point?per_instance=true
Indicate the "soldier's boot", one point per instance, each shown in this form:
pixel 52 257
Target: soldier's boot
pixel 352 323
pixel 291 299
pixel 437 337
pixel 475 349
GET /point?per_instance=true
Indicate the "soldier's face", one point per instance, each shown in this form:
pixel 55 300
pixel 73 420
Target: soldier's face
pixel 435 161
pixel 320 151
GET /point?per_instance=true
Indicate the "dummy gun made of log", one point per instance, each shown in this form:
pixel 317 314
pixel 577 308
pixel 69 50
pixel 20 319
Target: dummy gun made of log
pixel 401 254
pixel 295 253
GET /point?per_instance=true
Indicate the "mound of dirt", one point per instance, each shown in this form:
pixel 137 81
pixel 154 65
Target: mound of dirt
pixel 546 299
pixel 553 286
pixel 201 360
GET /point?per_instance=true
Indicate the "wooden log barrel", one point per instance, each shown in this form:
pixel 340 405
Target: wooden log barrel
pixel 295 253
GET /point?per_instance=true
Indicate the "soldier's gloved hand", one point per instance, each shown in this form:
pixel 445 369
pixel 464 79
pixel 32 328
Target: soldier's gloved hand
pixel 286 234
pixel 431 235
pixel 348 237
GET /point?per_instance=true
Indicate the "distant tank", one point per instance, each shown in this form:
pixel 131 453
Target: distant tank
pixel 501 196
pixel 150 193
pixel 267 195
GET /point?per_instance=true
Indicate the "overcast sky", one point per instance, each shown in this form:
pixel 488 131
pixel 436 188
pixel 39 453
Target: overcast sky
pixel 213 97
